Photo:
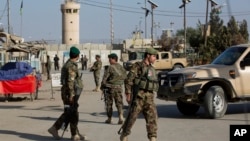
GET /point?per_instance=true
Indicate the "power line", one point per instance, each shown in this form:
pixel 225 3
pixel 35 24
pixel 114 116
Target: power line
pixel 165 13
pixel 5 8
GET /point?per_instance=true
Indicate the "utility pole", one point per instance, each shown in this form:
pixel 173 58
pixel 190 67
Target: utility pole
pixel 213 3
pixel 205 27
pixel 184 2
pixel 145 20
pixel 111 25
pixel 8 3
pixel 153 6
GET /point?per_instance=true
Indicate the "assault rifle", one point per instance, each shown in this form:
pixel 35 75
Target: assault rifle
pixel 69 110
pixel 131 109
pixel 104 97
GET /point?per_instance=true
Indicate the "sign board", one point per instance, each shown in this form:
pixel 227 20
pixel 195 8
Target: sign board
pixel 56 80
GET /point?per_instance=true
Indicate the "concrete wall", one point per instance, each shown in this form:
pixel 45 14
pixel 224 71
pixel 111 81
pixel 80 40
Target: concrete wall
pixel 88 49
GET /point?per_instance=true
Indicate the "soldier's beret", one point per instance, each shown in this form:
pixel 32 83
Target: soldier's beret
pixel 97 56
pixel 74 50
pixel 152 51
pixel 112 55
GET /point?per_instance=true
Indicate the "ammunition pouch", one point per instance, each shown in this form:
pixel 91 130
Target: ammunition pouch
pixel 78 87
pixel 145 84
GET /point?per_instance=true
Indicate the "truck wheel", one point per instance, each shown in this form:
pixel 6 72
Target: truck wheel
pixel 215 102
pixel 187 108
pixel 177 67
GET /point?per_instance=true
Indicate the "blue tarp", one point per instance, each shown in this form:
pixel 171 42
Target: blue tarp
pixel 15 70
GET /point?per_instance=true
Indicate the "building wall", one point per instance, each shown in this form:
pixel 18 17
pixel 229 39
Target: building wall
pixel 88 49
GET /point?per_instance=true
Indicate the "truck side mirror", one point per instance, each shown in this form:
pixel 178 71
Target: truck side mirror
pixel 242 65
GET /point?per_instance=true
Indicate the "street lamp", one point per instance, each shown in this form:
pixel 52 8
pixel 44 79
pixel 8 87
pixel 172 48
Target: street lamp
pixel 184 2
pixel 153 6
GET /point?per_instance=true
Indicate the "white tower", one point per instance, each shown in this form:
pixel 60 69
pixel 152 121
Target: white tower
pixel 70 22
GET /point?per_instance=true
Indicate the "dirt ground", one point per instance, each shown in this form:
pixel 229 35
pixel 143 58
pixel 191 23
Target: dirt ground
pixel 24 120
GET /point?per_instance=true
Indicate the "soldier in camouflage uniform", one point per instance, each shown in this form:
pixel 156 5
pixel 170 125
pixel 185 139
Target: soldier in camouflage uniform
pixel 113 80
pixel 144 76
pixel 96 68
pixel 70 80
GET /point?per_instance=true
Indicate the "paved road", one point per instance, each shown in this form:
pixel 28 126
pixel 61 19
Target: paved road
pixel 28 121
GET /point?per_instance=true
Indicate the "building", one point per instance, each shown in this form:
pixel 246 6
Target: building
pixel 70 22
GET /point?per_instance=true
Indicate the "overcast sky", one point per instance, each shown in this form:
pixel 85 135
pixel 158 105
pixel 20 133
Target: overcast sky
pixel 41 19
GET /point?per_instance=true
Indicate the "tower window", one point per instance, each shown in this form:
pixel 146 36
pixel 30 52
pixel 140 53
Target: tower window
pixel 68 10
pixel 75 10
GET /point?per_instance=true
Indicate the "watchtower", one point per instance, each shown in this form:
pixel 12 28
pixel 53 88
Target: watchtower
pixel 70 22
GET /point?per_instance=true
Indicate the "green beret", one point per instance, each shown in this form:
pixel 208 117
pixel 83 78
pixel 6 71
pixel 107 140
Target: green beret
pixel 112 55
pixel 152 51
pixel 98 56
pixel 74 50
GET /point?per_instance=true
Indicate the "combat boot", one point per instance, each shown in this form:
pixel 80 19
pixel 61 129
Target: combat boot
pixel 52 130
pixel 152 139
pixel 94 90
pixel 109 120
pixel 123 137
pixel 120 119
pixel 82 137
pixel 98 89
pixel 75 138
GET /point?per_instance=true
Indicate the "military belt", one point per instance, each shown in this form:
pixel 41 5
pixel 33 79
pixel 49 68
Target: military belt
pixel 146 91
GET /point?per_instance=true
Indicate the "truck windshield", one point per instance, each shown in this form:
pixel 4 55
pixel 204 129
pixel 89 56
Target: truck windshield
pixel 136 56
pixel 229 56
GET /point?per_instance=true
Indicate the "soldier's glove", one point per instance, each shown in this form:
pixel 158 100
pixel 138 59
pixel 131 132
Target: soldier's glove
pixel 71 100
pixel 102 87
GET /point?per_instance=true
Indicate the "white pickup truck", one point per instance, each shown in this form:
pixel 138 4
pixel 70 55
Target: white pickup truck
pixel 164 61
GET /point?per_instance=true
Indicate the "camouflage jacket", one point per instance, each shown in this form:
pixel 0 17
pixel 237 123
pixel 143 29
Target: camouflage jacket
pixel 96 66
pixel 138 70
pixel 114 75
pixel 70 77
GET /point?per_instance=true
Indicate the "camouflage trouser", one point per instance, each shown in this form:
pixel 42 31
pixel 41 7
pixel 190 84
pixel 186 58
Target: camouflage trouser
pixel 73 119
pixel 116 95
pixel 146 105
pixel 48 74
pixel 97 77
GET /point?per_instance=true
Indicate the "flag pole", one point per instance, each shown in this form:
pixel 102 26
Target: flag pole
pixel 21 14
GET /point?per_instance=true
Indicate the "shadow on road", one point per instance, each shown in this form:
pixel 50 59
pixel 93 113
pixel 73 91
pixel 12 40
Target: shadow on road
pixel 27 136
pixel 171 111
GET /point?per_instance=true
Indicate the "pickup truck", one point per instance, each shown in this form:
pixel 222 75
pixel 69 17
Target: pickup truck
pixel 164 61
pixel 210 86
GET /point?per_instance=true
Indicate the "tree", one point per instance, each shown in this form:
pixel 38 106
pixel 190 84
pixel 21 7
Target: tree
pixel 243 30
pixel 235 35
pixel 216 24
pixel 190 33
